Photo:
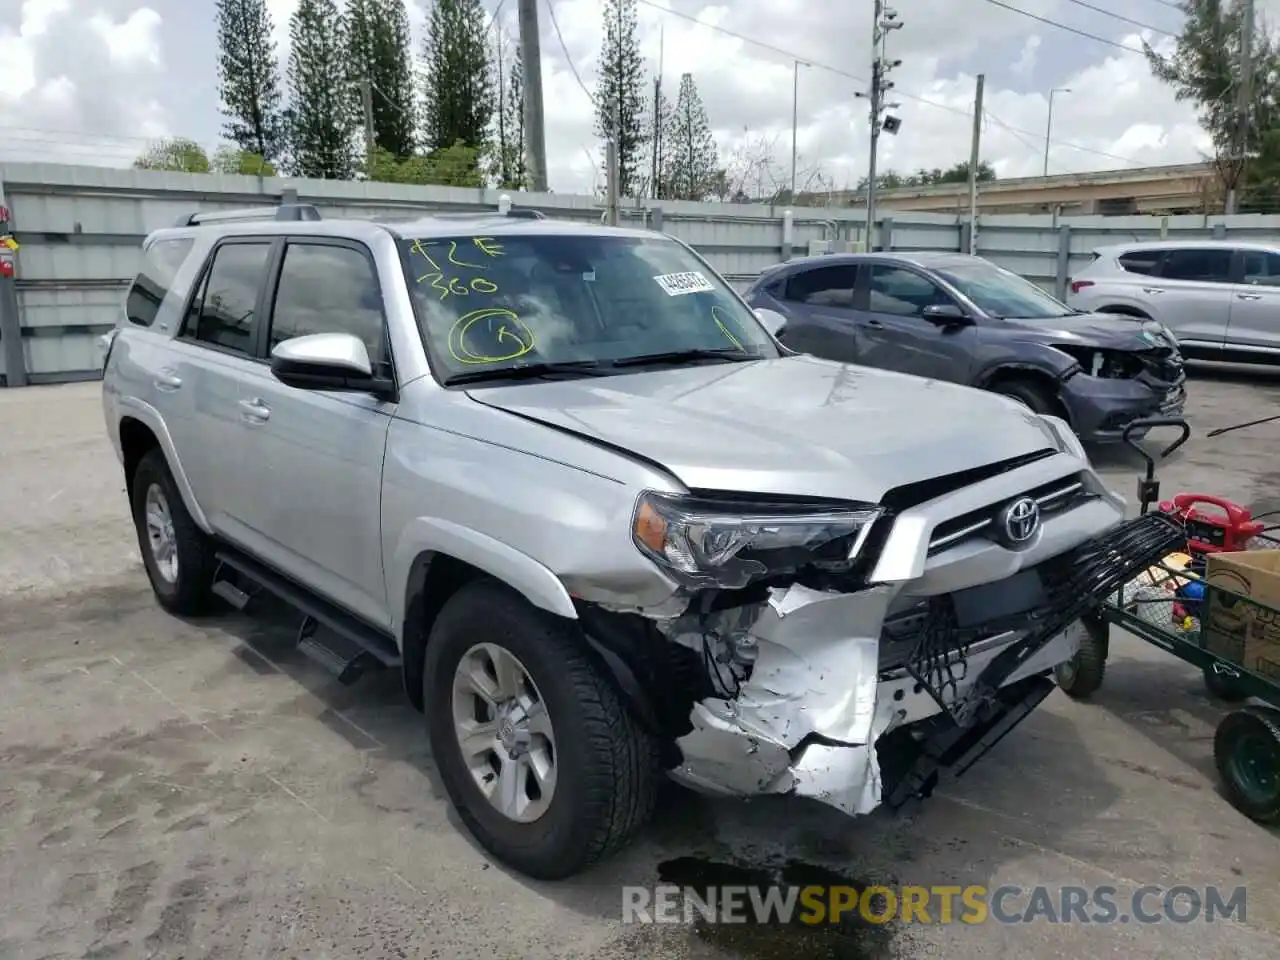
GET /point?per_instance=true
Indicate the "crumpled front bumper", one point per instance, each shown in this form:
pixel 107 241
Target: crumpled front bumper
pixel 818 700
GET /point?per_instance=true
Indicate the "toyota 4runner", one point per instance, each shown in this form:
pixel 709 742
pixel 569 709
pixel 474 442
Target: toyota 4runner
pixel 608 528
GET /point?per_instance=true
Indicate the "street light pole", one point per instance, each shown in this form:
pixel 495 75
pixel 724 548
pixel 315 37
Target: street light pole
pixel 1048 130
pixel 795 117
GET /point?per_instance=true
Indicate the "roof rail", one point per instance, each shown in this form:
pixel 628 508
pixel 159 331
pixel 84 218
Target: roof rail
pixel 526 213
pixel 286 211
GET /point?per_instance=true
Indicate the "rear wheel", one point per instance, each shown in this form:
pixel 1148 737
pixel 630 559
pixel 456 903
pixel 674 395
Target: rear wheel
pixel 1246 751
pixel 546 767
pixel 178 556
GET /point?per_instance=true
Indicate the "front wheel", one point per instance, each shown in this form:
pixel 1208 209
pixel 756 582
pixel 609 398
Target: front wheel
pixel 1246 751
pixel 1030 395
pixel 545 765
pixel 1082 675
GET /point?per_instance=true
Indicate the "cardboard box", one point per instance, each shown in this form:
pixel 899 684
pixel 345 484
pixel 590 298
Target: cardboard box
pixel 1235 629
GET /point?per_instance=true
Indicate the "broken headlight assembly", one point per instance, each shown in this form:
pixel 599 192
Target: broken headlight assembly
pixel 1107 364
pixel 726 543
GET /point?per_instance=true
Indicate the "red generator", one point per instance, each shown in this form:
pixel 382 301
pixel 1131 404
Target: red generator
pixel 1225 528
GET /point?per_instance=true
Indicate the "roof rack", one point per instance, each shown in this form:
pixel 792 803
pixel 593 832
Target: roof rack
pixel 286 211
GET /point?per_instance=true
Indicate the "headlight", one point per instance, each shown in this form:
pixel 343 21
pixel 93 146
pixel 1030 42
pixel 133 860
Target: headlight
pixel 710 543
pixel 1068 442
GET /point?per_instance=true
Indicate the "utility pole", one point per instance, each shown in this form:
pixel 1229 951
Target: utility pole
pixel 534 132
pixel 655 177
pixel 795 119
pixel 1048 127
pixel 366 100
pixel 974 152
pixel 1244 96
pixel 885 21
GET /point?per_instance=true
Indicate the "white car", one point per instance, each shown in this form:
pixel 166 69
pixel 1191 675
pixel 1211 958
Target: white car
pixel 1219 298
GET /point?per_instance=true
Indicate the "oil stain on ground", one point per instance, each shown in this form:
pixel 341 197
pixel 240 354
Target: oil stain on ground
pixel 773 937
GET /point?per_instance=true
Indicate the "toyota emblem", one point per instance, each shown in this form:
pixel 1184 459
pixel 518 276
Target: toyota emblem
pixel 1019 521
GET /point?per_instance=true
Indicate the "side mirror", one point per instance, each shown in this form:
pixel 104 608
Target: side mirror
pixel 328 361
pixel 947 315
pixel 772 320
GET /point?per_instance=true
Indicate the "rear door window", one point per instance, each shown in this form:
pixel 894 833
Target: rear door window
pixel 1205 265
pixel 1140 261
pixel 824 286
pixel 155 280
pixel 225 312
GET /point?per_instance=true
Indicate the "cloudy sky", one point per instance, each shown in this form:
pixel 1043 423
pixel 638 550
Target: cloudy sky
pixel 90 81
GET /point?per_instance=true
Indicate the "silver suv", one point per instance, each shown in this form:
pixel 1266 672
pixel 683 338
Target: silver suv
pixel 1220 299
pixel 568 483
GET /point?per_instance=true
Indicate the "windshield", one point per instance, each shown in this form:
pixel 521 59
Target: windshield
pixel 492 304
pixel 1003 294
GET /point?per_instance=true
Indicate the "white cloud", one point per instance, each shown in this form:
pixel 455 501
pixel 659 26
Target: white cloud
pixel 90 80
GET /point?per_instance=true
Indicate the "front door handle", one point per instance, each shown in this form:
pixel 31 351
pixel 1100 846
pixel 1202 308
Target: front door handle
pixel 1153 290
pixel 254 411
pixel 168 381
pixel 875 324
pixel 1249 296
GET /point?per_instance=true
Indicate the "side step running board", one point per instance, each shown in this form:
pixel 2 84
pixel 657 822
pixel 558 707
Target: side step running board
pixel 346 645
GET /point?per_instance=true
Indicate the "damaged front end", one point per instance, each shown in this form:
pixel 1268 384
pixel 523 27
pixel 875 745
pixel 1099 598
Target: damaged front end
pixel 783 665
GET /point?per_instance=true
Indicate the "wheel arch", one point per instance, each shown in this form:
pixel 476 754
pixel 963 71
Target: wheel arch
pixel 140 429
pixel 1023 372
pixel 1125 310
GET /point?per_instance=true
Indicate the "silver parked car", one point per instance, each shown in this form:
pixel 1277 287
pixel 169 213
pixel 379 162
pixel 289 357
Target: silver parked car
pixel 1219 298
pixel 568 483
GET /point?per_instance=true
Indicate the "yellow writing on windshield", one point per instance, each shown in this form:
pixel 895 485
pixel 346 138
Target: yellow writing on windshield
pixel 455 286
pixel 505 335
pixel 723 321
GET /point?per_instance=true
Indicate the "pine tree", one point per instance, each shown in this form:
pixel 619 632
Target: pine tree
pixel 510 166
pixel 459 94
pixel 321 116
pixel 691 149
pixel 248 79
pixel 379 51
pixel 621 94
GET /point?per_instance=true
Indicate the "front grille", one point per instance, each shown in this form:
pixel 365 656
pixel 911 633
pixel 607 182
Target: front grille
pixel 1054 497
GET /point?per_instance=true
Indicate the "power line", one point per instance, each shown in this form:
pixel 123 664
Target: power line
pixel 555 25
pixel 789 55
pixel 1121 17
pixel 1062 26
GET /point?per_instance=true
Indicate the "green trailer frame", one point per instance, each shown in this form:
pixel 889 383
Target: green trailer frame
pixel 1246 745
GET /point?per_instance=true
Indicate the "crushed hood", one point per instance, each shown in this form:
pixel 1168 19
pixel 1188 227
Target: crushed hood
pixel 1107 331
pixel 796 426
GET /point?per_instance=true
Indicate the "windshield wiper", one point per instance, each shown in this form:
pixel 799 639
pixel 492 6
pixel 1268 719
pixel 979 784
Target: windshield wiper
pixel 531 371
pixel 688 356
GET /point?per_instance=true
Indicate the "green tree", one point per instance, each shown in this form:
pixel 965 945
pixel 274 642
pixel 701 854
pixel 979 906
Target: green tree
pixel 456 166
pixel 379 51
pixel 248 79
pixel 691 152
pixel 620 92
pixel 177 154
pixel 460 97
pixel 229 158
pixel 321 117
pixel 510 160
pixel 1205 69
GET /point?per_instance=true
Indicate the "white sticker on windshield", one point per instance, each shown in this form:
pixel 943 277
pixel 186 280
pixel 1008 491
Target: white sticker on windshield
pixel 678 284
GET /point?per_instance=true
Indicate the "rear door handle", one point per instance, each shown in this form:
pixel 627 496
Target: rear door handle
pixel 167 380
pixel 1153 290
pixel 874 324
pixel 254 411
pixel 1249 296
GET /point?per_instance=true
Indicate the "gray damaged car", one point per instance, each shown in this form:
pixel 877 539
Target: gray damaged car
pixel 966 320
pixel 565 481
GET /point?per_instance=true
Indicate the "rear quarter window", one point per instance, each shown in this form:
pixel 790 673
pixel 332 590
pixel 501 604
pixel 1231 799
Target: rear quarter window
pixel 154 282
pixel 1144 262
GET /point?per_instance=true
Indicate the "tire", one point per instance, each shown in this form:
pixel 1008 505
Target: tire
pixel 1246 751
pixel 1081 676
pixel 183 586
pixel 1223 687
pixel 1028 394
pixel 605 765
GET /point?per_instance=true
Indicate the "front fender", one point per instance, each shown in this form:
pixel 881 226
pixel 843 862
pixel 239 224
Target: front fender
pixel 150 417
pixel 1030 357
pixel 518 570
